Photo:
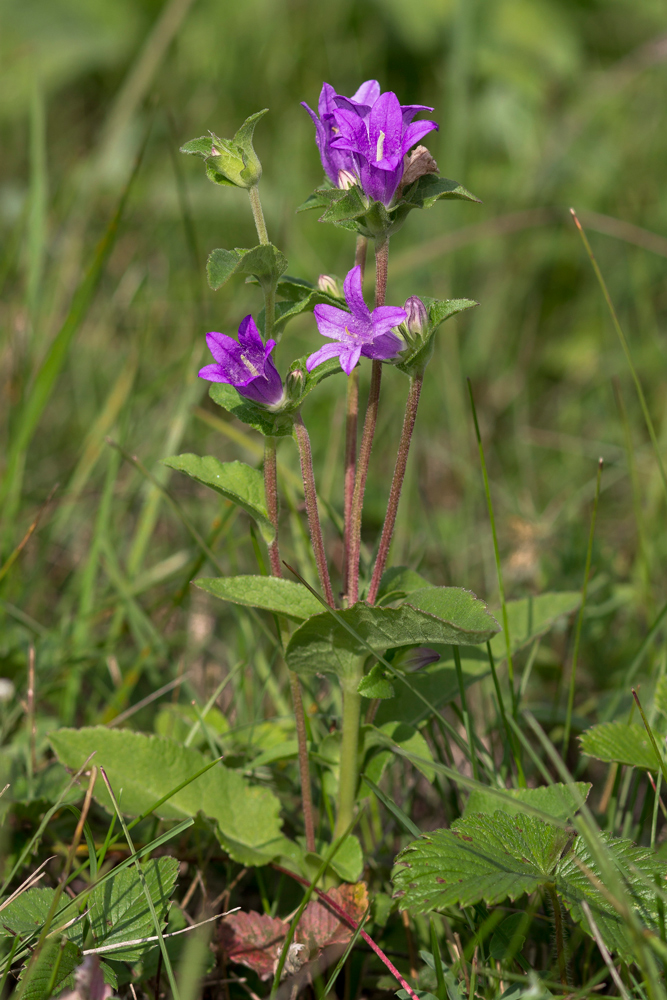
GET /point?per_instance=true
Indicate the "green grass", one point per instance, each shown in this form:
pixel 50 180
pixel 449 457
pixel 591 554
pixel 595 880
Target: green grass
pixel 104 232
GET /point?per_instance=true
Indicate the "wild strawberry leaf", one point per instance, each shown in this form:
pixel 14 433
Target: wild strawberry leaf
pixel 620 742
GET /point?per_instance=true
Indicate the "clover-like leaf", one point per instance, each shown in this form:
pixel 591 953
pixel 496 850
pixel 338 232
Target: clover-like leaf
pixel 235 481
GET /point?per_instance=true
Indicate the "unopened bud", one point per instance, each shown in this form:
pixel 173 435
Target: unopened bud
pixel 346 180
pixel 416 658
pixel 330 284
pixel 294 382
pixel 417 320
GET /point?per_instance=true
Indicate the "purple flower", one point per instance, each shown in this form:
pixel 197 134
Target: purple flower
pixel 246 364
pixel 336 160
pixel 377 136
pixel 359 331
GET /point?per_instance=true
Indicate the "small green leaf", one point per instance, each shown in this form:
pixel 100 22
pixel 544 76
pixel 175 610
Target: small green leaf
pixel 398 582
pixel 235 481
pixel 119 909
pixel 35 979
pixel 556 800
pixel 28 912
pixel 350 205
pixel 347 863
pixel 415 359
pixel 438 614
pixel 265 262
pixel 505 937
pixel 283 597
pixel 147 767
pixel 258 417
pixel 430 188
pixel 203 146
pixel 379 743
pixel 621 743
pixel 375 684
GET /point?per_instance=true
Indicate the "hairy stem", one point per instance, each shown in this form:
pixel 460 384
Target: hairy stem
pixel 411 405
pixel 306 458
pixel 271 490
pixel 349 768
pixel 258 214
pixel 560 938
pixel 354 552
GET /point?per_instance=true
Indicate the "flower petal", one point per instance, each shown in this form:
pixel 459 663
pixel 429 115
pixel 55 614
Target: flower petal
pixel 331 322
pixel 385 318
pixel 383 347
pixel 368 93
pixel 385 127
pixel 222 347
pixel 249 336
pixel 213 373
pixel 415 132
pixel 354 295
pixel 349 358
pixel 324 353
pixel 410 110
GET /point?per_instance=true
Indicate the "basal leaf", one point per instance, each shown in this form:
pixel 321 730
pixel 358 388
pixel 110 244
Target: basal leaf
pixel 35 980
pixel 437 614
pixel 556 800
pixel 235 481
pixel 265 262
pixel 148 767
pixel 284 597
pixel 619 742
pixel 489 858
pixel 119 909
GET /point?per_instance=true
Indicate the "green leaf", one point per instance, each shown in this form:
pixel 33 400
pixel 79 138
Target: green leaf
pixel 28 913
pixel 495 857
pixel 415 359
pixel 376 684
pixel 379 743
pixel 119 909
pixel 36 979
pixel 258 417
pixel 283 597
pixel 348 205
pixel 660 696
pixel 347 863
pixel 556 800
pixel 149 767
pixel 398 582
pixel 235 481
pixel 430 188
pixel 505 936
pixel 203 146
pixel 434 614
pixel 621 743
pixel 531 617
pixel 265 262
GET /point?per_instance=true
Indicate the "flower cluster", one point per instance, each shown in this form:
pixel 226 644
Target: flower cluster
pixel 365 139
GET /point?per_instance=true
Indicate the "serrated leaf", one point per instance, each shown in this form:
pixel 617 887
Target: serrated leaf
pixel 235 481
pixel 435 614
pixel 265 262
pixel 28 912
pixel 481 857
pixel 148 767
pixel 556 800
pixel 258 417
pixel 35 979
pixel 620 743
pixel 430 188
pixel 119 909
pixel 283 597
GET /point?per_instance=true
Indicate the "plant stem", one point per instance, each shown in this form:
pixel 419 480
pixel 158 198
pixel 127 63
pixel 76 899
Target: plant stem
pixel 310 492
pixel 349 769
pixel 560 940
pixel 258 214
pixel 580 617
pixel 416 382
pixel 271 490
pixel 354 552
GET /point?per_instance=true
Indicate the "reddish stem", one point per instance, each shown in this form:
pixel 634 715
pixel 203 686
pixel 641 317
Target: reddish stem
pixel 310 493
pixel 351 922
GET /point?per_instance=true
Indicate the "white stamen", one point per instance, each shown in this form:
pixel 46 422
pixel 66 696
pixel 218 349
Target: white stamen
pixel 380 148
pixel 251 368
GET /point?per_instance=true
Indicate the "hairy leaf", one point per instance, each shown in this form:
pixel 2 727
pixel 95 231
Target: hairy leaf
pixel 430 188
pixel 284 597
pixel 433 615
pixel 265 262
pixel 258 417
pixel 620 742
pixel 36 979
pixel 556 800
pixel 148 767
pixel 235 481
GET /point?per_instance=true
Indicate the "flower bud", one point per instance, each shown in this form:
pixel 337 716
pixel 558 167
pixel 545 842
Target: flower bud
pixel 417 321
pixel 346 180
pixel 329 284
pixel 294 383
pixel 415 658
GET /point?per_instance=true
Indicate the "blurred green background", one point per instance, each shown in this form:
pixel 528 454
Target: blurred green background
pixel 542 104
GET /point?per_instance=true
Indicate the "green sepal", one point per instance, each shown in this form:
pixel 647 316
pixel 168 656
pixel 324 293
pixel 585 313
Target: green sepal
pixel 235 481
pixel 375 684
pixel 415 358
pixel 230 162
pixel 351 208
pixel 265 262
